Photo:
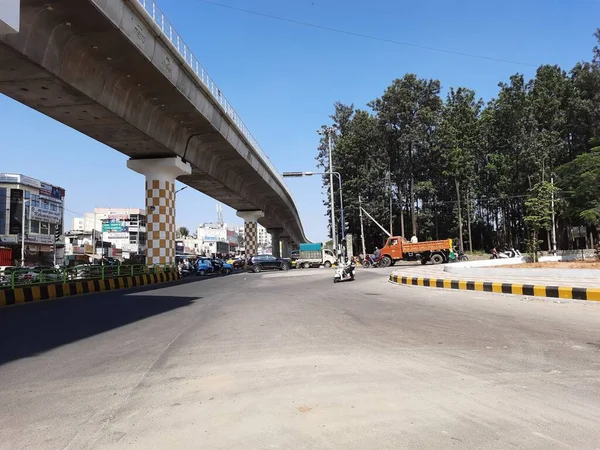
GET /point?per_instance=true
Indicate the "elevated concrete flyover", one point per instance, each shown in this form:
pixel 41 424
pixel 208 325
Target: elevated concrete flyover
pixel 117 71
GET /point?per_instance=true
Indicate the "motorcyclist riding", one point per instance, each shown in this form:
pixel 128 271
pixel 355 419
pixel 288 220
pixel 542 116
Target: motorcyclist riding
pixel 376 256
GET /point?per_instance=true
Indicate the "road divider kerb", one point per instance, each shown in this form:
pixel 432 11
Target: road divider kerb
pixel 562 292
pixel 36 293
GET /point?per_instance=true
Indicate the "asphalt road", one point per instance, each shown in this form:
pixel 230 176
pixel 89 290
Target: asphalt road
pixel 290 360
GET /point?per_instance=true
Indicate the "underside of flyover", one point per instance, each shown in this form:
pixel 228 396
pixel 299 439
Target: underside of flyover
pixel 74 64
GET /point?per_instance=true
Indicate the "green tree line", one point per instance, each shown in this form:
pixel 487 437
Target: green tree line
pixel 481 173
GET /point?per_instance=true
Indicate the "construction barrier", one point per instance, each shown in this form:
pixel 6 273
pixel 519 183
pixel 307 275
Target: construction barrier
pixel 563 292
pixel 34 293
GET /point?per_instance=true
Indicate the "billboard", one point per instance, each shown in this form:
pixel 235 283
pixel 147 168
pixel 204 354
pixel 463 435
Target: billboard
pixel 45 215
pixel 54 192
pixel 15 224
pixel 115 226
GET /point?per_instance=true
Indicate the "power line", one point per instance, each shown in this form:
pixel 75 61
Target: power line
pixel 367 36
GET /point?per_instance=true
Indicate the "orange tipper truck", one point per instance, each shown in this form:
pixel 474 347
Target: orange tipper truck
pixel 397 249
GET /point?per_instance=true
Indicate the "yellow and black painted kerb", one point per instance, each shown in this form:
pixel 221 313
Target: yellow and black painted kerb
pixel 34 293
pixel 564 292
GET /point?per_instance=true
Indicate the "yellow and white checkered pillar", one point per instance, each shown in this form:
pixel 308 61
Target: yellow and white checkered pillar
pixel 250 230
pixel 161 174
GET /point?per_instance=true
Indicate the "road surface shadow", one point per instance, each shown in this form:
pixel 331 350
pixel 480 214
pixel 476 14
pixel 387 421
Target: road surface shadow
pixel 28 330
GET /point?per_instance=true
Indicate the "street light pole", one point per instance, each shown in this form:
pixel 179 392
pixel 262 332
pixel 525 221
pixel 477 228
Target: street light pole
pixel 553 218
pixel 329 131
pixel 333 230
pixel 23 229
pixel 339 177
pixel 179 190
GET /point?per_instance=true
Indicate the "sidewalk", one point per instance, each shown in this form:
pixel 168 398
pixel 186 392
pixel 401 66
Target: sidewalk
pixel 560 285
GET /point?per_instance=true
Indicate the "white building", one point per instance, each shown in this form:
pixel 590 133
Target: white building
pixel 32 208
pixel 264 238
pixel 123 228
pixel 215 238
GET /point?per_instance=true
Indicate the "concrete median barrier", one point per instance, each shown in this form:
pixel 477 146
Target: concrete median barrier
pixel 562 292
pixel 35 293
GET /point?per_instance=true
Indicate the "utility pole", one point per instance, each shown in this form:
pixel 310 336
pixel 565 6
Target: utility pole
pixel 362 230
pixel 23 229
pixel 330 130
pixel 389 179
pixel 553 218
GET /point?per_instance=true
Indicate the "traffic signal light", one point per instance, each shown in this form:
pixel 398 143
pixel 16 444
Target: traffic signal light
pixel 57 232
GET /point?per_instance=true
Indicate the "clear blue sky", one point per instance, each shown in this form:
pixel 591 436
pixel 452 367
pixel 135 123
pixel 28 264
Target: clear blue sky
pixel 283 79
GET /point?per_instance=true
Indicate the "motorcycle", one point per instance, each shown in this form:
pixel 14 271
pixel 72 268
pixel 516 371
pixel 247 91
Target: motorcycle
pixel 457 255
pixel 507 254
pixel 344 272
pixel 367 262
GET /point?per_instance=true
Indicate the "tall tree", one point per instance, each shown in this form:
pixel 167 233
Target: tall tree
pixel 341 118
pixel 459 138
pixel 183 232
pixel 409 111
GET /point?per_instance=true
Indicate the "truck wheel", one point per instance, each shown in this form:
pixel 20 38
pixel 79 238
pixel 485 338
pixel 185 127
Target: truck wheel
pixel 386 261
pixel 327 264
pixel 436 258
pixel 423 261
pixel 306 265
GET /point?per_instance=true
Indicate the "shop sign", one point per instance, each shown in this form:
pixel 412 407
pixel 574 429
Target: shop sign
pixel 45 215
pixel 117 235
pixel 39 238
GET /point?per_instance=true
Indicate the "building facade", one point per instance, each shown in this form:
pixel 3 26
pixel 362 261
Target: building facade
pixel 124 229
pixel 31 211
pixel 216 239
pixel 263 238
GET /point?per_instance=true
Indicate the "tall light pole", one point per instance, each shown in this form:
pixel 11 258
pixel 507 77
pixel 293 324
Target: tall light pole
pixel 331 174
pixel 23 199
pixel 553 217
pixel 329 131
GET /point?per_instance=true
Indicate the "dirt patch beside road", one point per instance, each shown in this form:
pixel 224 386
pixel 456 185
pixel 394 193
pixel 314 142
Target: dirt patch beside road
pixel 556 265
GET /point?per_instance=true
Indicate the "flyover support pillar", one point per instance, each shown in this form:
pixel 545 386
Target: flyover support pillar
pixel 250 230
pixel 161 174
pixel 275 241
pixel 286 247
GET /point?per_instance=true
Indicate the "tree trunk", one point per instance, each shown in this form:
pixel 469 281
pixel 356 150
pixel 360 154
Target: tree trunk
pixel 469 221
pixel 413 213
pixel 504 219
pixel 401 201
pixel 461 247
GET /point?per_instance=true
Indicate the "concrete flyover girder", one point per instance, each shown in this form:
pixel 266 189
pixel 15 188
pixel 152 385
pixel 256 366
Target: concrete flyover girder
pixel 103 68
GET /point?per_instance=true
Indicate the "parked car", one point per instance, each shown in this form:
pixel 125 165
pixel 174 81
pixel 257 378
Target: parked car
pixel 238 263
pixel 204 267
pixel 259 263
pixel 41 274
pixel 6 273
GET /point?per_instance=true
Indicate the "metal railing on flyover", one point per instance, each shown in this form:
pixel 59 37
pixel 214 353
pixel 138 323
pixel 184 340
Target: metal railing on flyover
pixel 184 51
pixel 13 277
